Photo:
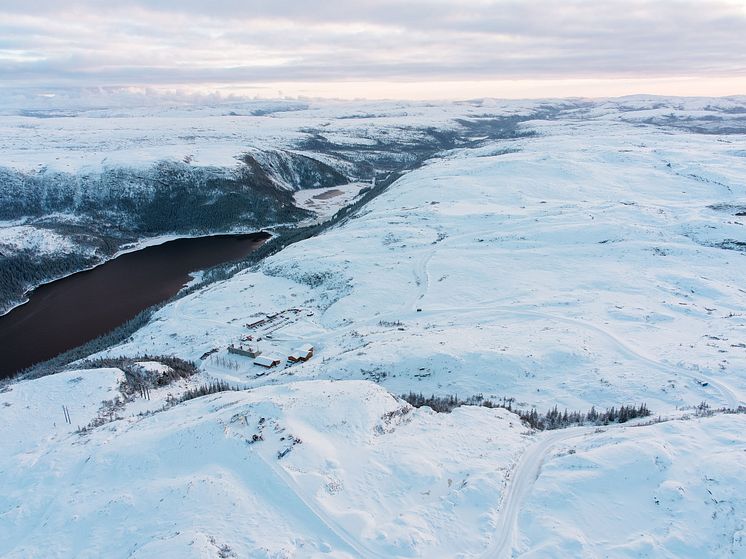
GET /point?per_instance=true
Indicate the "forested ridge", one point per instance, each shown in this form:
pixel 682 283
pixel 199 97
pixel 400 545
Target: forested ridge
pixel 101 211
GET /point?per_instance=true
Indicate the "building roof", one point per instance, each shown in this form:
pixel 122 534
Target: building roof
pixel 299 353
pixel 266 360
pixel 304 348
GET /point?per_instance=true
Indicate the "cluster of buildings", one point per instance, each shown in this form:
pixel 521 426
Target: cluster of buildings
pixel 266 326
pixel 299 354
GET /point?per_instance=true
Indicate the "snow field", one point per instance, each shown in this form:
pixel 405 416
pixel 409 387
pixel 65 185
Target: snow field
pixel 361 474
pixel 669 490
pixel 541 275
pixel 577 267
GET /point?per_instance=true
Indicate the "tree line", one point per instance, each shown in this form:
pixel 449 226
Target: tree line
pixel 553 418
pixel 203 390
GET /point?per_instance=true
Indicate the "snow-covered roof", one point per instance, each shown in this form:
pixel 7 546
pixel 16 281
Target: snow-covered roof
pixel 299 353
pixel 266 360
pixel 304 348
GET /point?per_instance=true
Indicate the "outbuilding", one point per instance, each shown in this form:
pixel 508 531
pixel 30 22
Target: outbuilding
pixel 298 355
pixel 308 348
pixel 302 353
pixel 267 361
pixel 247 351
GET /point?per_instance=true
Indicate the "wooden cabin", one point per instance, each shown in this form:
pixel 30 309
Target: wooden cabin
pixel 307 348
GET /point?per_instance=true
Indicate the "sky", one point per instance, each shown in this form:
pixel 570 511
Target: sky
pixel 439 49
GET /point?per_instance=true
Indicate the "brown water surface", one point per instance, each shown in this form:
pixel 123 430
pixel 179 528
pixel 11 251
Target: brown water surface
pixel 68 312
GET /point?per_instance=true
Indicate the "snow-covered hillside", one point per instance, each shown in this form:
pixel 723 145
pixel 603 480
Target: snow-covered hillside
pixel 343 469
pixel 597 262
pixel 307 469
pixel 669 490
pixel 580 267
pixel 81 139
pixel 99 179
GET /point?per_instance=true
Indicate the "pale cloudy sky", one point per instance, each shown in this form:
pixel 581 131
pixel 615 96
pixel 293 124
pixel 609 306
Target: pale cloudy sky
pixel 413 49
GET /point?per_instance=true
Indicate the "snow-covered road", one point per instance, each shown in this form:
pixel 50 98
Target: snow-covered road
pixel 519 486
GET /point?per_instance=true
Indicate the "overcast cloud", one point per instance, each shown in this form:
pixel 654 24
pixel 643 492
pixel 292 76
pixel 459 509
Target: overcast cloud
pixel 192 43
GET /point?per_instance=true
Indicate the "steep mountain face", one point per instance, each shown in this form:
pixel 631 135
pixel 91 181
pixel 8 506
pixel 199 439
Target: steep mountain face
pixel 289 170
pixel 166 197
pixel 170 195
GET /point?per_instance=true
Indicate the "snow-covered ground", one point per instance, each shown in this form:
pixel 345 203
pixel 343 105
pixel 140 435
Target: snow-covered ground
pixel 344 469
pixel 325 202
pixel 669 490
pixel 92 139
pixel 15 236
pixel 311 469
pixel 574 271
pixel 583 266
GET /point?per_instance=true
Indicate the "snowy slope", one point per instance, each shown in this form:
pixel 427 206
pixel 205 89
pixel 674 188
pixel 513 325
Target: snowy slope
pixel 15 236
pixel 361 475
pixel 32 410
pixel 596 263
pixel 343 469
pixel 576 269
pixel 670 490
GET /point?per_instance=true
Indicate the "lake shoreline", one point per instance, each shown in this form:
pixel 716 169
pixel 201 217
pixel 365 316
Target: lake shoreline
pixel 127 248
pixel 135 279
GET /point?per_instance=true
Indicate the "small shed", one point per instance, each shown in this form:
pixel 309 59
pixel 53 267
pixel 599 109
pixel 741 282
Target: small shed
pixel 267 361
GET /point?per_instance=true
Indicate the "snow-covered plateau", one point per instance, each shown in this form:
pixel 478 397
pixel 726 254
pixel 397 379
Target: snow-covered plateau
pixel 595 261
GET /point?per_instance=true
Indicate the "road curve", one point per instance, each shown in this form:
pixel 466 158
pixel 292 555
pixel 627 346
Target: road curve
pixel 522 479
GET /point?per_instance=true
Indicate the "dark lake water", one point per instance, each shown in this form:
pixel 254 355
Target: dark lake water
pixel 71 311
